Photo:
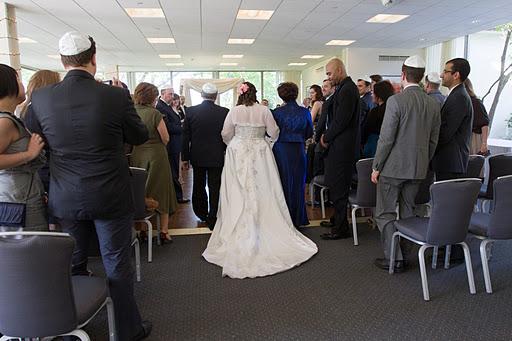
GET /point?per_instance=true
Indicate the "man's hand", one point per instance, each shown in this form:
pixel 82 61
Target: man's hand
pixel 375 176
pixel 322 142
pixel 116 82
pixel 484 149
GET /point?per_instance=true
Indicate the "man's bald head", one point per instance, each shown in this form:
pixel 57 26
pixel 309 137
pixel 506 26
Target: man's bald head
pixel 335 71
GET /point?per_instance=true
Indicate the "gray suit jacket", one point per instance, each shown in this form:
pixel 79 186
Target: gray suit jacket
pixel 408 136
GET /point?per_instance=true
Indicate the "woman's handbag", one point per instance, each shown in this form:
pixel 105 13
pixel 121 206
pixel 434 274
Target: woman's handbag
pixel 13 214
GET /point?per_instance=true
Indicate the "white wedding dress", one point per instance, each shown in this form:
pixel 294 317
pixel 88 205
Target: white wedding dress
pixel 254 235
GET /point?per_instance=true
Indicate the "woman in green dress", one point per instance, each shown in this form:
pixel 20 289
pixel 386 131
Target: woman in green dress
pixel 152 155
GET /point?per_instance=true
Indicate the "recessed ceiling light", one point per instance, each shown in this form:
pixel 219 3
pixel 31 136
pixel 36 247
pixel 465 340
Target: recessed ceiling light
pixel 297 64
pixel 25 40
pixel 386 18
pixel 170 56
pixel 161 40
pixel 340 42
pixel 145 12
pixel 254 14
pixel 312 56
pixel 228 64
pixel 54 56
pixel 174 64
pixel 422 39
pixel 240 41
pixel 232 56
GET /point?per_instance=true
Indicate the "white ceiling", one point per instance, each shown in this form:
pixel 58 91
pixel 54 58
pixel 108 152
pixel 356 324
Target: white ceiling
pixel 201 29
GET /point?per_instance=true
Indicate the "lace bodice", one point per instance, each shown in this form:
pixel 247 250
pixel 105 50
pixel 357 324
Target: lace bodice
pixel 249 132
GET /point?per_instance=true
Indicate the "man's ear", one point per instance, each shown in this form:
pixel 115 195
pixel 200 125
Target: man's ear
pixel 93 59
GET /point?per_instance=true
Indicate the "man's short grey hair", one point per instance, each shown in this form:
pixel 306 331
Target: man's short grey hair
pixel 162 91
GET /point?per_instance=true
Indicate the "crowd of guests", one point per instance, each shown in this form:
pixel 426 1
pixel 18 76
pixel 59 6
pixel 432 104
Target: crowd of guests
pixel 65 151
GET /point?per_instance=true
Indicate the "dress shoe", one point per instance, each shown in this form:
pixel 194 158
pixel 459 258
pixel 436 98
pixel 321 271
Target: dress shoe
pixel 382 263
pixel 183 201
pixel 333 235
pixel 145 331
pixel 326 224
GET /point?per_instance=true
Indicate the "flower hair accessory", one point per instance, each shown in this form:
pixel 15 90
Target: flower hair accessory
pixel 243 89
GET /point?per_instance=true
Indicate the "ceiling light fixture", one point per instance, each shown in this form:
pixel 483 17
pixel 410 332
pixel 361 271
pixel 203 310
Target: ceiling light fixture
pixel 170 56
pixel 243 41
pixel 228 64
pixel 232 56
pixel 254 14
pixel 312 56
pixel 297 64
pixel 145 12
pixel 340 42
pixel 174 64
pixel 25 40
pixel 386 18
pixel 161 40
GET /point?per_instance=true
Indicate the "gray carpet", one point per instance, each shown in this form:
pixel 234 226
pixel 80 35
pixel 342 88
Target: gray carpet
pixel 338 295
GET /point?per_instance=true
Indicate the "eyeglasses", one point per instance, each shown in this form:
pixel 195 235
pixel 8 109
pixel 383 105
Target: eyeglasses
pixel 450 71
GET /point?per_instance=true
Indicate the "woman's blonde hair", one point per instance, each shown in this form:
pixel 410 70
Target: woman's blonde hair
pixel 39 80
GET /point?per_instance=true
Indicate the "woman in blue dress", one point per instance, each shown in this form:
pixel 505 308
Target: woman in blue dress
pixel 296 127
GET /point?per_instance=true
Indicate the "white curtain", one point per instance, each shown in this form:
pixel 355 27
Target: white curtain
pixel 223 85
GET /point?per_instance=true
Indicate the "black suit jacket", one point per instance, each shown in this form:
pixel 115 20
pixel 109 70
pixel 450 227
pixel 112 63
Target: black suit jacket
pixel 452 152
pixel 86 124
pixel 174 128
pixel 343 123
pixel 202 141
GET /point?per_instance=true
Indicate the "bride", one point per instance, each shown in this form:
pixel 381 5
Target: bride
pixel 254 235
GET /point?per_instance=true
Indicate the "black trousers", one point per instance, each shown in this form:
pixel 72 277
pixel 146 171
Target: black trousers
pixel 338 176
pixel 174 160
pixel 115 239
pixel 200 198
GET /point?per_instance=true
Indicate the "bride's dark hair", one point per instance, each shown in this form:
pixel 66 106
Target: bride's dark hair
pixel 247 94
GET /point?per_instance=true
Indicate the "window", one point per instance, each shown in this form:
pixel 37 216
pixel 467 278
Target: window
pixel 159 79
pixel 25 75
pixel 271 81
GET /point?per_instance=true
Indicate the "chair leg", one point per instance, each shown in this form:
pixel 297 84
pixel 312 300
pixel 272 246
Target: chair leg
pixel 392 252
pixel 485 265
pixel 150 240
pixel 447 254
pixel 112 336
pixel 469 268
pixel 312 193
pixel 79 333
pixel 136 246
pixel 354 226
pixel 423 272
pixel 322 201
pixel 434 257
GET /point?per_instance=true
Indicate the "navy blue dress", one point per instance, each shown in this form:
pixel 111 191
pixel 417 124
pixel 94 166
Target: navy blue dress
pixel 295 127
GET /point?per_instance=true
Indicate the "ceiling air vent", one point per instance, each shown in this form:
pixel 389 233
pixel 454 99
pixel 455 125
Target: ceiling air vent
pixel 383 58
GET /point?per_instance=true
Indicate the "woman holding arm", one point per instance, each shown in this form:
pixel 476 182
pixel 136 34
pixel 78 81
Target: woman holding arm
pixel 254 235
pixel 317 100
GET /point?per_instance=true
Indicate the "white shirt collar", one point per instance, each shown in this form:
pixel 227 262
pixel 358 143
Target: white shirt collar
pixel 409 85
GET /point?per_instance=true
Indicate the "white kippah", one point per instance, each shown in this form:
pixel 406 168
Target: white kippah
pixel 415 61
pixel 73 43
pixel 433 77
pixel 210 88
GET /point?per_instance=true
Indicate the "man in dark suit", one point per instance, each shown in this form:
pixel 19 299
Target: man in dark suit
pixel 204 149
pixel 174 127
pixel 452 153
pixel 340 140
pixel 86 124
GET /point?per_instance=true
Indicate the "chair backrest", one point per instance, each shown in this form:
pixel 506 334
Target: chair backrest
pixel 36 294
pixel 499 165
pixel 423 195
pixel 138 180
pixel 475 165
pixel 452 205
pixel 500 226
pixel 366 190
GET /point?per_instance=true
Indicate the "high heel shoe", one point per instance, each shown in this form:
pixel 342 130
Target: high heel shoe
pixel 165 237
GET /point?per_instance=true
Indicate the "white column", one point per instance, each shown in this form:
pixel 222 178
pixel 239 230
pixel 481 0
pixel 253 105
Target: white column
pixel 9 47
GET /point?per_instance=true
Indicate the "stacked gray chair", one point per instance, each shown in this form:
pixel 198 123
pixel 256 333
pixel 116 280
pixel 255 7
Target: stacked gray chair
pixel 38 296
pixel 452 205
pixel 499 165
pixel 494 226
pixel 365 195
pixel 138 178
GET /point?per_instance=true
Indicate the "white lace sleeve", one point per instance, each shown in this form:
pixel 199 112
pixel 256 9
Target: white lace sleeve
pixel 271 125
pixel 228 130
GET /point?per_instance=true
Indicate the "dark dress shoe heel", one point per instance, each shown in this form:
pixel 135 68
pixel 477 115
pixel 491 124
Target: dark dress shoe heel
pixel 382 263
pixel 145 330
pixel 326 224
pixel 334 235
